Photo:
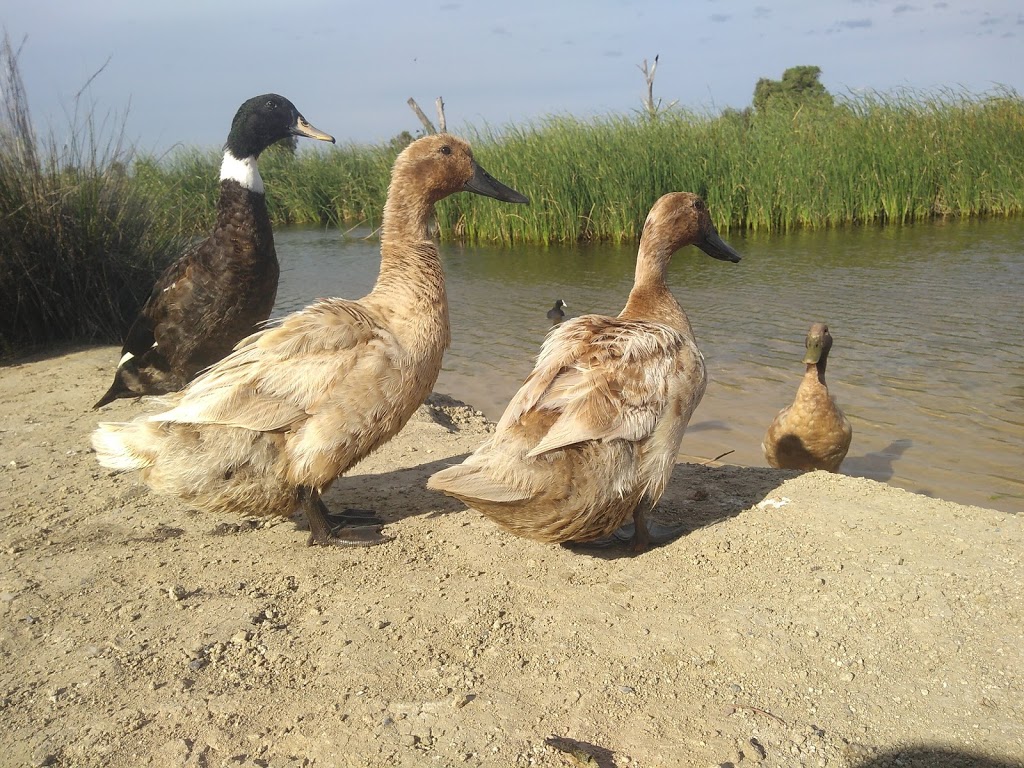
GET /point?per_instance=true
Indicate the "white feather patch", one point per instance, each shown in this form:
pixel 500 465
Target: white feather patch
pixel 124 359
pixel 245 171
pixel 112 449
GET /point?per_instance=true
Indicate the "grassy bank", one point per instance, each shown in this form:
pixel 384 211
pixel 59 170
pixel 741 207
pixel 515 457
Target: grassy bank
pixel 79 247
pixel 85 225
pixel 873 159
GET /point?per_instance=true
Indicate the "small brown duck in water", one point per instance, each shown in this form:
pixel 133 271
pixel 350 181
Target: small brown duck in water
pixel 270 427
pixel 812 433
pixel 220 289
pixel 555 314
pixel 592 435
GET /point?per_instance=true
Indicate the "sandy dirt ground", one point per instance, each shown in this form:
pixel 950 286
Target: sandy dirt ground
pixel 803 620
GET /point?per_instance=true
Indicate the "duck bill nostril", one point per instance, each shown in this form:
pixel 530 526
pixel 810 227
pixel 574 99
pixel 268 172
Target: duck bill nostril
pixel 303 128
pixel 484 184
pixel 714 246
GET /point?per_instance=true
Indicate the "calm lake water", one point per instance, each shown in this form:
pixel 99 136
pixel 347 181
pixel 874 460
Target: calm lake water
pixel 928 360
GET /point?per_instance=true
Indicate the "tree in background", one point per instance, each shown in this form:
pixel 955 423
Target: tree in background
pixel 799 85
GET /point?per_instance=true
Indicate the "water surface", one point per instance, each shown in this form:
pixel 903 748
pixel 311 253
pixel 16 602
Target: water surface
pixel 928 361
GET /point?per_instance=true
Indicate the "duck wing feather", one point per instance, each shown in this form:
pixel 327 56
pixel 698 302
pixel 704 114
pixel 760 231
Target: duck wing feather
pixel 284 373
pixel 606 378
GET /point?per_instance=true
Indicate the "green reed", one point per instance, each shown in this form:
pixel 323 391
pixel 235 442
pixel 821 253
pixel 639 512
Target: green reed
pixel 872 158
pixel 85 226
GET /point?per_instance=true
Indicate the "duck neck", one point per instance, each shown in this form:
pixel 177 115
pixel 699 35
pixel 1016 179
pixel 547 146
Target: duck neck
pixel 816 371
pixel 242 218
pixel 411 277
pixel 650 299
pixel 245 171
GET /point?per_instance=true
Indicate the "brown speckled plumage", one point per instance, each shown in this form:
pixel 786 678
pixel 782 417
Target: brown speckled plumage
pixel 592 435
pixel 269 428
pixel 812 432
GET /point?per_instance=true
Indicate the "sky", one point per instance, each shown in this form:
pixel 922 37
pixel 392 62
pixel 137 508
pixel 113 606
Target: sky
pixel 173 73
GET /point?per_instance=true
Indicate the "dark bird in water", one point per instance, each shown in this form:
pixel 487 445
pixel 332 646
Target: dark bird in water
pixel 811 433
pixel 220 289
pixel 555 314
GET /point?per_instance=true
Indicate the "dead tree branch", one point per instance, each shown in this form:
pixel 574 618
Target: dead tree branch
pixel 427 125
pixel 442 124
pixel 650 107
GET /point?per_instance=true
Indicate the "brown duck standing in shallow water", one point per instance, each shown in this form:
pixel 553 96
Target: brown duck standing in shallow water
pixel 270 427
pixel 812 433
pixel 591 437
pixel 219 290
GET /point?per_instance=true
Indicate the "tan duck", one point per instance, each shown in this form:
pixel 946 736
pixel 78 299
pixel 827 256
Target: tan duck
pixel 812 433
pixel 269 428
pixel 591 437
pixel 219 290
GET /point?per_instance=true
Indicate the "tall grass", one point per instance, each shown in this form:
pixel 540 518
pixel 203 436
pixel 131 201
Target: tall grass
pixel 877 158
pixel 892 158
pixel 86 226
pixel 78 249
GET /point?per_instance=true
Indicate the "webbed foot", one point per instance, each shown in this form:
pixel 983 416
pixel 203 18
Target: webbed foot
pixel 349 528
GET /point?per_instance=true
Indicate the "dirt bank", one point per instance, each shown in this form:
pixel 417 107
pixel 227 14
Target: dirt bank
pixel 810 620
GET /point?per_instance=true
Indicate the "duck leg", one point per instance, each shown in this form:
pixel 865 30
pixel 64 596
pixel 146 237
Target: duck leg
pixel 321 532
pixel 639 535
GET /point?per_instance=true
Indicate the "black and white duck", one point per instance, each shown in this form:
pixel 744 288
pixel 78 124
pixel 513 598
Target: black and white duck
pixel 222 288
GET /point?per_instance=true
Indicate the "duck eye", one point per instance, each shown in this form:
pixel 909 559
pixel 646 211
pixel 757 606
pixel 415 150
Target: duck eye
pixel 446 150
pixel 698 205
pixel 271 104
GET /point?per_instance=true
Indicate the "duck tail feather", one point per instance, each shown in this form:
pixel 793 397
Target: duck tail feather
pixel 115 448
pixel 469 483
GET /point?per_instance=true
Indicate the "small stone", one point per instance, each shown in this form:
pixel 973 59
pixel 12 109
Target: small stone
pixel 846 677
pixel 240 638
pixel 177 592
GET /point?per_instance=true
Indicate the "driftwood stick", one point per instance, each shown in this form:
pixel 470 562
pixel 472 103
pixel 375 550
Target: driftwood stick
pixel 427 125
pixel 442 124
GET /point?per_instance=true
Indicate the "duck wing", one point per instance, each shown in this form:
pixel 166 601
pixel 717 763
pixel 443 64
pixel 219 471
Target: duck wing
pixel 165 301
pixel 603 379
pixel 282 374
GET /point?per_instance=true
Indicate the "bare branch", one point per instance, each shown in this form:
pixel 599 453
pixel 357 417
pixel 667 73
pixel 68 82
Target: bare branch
pixel 441 122
pixel 651 107
pixel 427 125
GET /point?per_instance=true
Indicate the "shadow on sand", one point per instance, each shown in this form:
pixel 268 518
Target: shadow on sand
pixel 934 757
pixel 698 495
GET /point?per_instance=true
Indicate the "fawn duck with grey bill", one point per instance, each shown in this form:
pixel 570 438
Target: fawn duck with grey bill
pixel 591 437
pixel 269 428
